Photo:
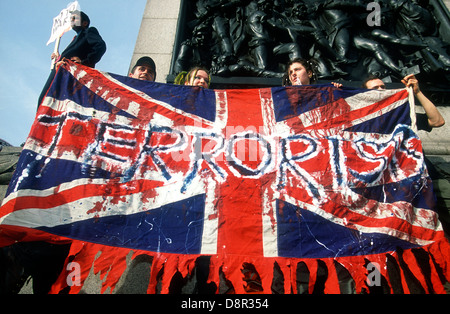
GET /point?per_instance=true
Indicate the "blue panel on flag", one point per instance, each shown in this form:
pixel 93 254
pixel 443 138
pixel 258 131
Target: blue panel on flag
pixel 194 100
pixel 294 100
pixel 412 190
pixel 65 86
pixel 304 234
pixel 172 228
pixel 386 123
pixel 43 173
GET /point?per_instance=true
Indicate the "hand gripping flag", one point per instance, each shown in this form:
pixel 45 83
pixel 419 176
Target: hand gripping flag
pixel 304 186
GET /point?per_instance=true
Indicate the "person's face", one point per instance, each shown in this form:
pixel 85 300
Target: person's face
pixel 143 72
pixel 201 78
pixel 298 74
pixel 375 84
pixel 75 21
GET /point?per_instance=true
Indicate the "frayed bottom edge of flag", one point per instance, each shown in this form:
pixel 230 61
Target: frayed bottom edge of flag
pixel 411 271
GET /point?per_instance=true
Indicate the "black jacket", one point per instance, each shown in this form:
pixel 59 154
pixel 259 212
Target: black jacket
pixel 88 45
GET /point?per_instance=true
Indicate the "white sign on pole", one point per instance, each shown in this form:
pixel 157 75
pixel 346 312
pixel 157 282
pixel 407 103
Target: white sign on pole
pixel 61 23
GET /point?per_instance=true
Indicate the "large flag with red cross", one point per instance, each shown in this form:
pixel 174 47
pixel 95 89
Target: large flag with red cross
pixel 285 178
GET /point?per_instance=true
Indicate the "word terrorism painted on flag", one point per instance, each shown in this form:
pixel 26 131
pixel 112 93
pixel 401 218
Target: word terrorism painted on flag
pixel 297 185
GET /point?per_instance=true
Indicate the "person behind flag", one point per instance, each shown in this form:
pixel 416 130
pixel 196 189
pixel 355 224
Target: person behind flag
pixel 300 71
pixel 197 76
pixel 144 69
pixel 432 118
pixel 87 45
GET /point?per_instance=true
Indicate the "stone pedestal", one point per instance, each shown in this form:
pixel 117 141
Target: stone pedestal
pixel 157 35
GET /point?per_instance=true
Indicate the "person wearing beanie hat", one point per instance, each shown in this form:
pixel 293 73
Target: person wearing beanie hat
pixel 144 69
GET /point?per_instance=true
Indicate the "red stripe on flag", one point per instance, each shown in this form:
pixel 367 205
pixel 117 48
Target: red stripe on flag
pixel 115 191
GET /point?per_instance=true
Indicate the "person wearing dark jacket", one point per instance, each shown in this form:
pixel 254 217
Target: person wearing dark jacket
pixel 87 46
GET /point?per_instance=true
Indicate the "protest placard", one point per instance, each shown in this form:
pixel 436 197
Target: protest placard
pixel 61 23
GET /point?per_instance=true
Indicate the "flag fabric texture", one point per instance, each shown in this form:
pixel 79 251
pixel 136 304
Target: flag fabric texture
pixel 288 180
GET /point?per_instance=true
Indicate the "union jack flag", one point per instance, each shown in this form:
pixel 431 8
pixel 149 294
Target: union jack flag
pixel 256 176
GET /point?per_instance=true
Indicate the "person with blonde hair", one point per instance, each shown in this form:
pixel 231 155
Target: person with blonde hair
pixel 197 76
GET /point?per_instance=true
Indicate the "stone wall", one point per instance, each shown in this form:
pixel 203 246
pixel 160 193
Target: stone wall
pixel 157 35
